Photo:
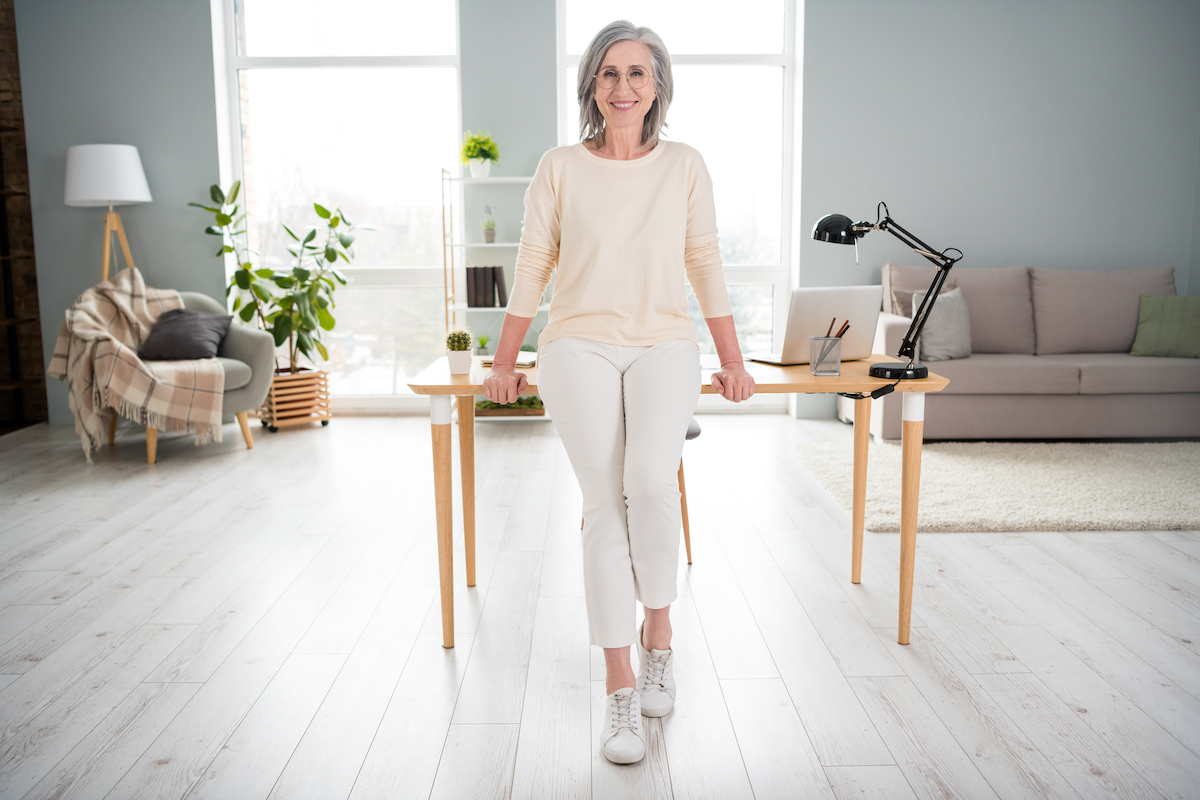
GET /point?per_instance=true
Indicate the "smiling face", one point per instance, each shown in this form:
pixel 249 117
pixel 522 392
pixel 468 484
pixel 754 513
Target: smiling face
pixel 623 106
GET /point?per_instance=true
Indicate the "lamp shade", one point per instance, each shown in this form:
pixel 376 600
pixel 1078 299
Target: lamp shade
pixel 835 228
pixel 99 174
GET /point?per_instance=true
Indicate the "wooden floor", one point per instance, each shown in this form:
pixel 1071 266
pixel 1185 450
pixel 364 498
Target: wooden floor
pixel 254 624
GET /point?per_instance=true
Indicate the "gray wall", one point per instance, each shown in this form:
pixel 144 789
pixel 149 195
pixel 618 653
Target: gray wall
pixel 134 72
pixel 1053 134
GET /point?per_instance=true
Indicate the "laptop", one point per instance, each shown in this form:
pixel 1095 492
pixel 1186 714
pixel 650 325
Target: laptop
pixel 811 311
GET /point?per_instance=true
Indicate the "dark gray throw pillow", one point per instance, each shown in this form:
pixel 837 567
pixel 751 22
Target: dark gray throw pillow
pixel 180 335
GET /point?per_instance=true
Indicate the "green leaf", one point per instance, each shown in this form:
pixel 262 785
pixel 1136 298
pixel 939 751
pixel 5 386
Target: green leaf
pixel 333 223
pixel 326 319
pixel 305 341
pixel 321 349
pixel 237 302
pixel 262 292
pixel 212 230
pixel 346 239
pixel 262 273
pixel 226 249
pixel 342 214
pixel 293 252
pixel 206 208
pixel 282 329
pixel 322 212
pixel 221 252
pixel 233 191
pixel 284 281
pixel 227 288
pixel 247 312
pixel 223 219
pixel 216 194
pixel 289 231
pixel 307 317
pixel 340 277
pixel 346 257
pixel 313 290
pixel 285 302
pixel 330 255
pixel 301 273
pixel 243 278
pixel 311 235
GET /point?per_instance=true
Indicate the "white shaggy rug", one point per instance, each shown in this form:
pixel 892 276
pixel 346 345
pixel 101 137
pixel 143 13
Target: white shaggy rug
pixel 1003 486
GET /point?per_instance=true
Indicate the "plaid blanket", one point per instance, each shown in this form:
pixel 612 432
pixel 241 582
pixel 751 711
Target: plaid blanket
pixel 96 354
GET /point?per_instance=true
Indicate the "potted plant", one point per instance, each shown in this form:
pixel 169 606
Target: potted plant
pixel 479 150
pixel 483 340
pixel 294 305
pixel 489 224
pixel 458 351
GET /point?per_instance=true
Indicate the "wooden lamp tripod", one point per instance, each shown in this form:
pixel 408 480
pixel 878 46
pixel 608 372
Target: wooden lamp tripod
pixel 108 175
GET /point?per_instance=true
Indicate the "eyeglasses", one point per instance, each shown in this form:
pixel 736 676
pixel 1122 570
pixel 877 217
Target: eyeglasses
pixel 637 78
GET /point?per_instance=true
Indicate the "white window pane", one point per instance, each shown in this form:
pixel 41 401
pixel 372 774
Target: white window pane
pixel 368 153
pixel 346 28
pixel 697 26
pixel 753 315
pixel 743 150
pixel 384 336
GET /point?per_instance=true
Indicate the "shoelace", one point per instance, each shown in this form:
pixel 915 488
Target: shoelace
pixel 656 668
pixel 622 713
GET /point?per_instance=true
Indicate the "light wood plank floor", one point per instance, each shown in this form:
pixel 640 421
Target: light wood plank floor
pixel 265 624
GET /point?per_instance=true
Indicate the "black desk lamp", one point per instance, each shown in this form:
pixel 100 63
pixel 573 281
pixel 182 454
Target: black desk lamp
pixel 839 229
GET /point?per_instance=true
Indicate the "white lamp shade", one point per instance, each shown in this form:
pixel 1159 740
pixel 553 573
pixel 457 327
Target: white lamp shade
pixel 99 174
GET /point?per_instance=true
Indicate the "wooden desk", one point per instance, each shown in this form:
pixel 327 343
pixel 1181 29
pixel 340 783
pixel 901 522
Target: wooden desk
pixel 437 382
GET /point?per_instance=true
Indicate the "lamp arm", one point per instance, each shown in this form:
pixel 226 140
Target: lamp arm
pixel 908 347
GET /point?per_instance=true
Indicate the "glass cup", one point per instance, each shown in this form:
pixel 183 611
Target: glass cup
pixel 824 355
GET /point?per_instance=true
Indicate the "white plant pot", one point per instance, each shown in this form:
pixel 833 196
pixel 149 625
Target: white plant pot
pixel 480 167
pixel 460 361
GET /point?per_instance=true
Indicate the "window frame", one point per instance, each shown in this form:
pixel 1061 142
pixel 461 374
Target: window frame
pixel 227 63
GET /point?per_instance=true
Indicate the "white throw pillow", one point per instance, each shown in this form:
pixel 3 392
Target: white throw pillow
pixel 947 331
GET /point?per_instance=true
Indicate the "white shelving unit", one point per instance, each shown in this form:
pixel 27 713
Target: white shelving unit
pixel 454 248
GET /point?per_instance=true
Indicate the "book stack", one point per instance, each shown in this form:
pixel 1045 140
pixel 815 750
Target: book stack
pixel 485 287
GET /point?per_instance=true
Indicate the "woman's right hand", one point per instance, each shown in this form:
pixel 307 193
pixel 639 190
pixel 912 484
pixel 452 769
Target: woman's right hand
pixel 504 384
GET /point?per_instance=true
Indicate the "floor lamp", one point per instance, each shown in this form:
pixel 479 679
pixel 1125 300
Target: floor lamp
pixel 106 175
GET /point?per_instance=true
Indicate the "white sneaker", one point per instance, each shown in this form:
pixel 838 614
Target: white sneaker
pixel 623 741
pixel 656 680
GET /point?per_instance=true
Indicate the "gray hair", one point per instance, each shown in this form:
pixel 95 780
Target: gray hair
pixel 591 121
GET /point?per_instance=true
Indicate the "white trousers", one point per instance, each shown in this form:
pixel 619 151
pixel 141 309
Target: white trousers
pixel 622 414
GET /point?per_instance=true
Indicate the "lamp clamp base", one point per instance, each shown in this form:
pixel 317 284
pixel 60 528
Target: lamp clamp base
pixel 899 371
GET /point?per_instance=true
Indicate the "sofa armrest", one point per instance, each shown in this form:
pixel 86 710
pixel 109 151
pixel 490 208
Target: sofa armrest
pixel 889 334
pixel 256 348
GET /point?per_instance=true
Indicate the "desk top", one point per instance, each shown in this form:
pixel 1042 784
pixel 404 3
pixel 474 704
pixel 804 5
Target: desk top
pixel 768 379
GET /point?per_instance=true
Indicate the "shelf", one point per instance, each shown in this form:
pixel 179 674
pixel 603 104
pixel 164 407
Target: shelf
pixel 490 180
pixel 485 244
pixel 16 320
pixel 463 307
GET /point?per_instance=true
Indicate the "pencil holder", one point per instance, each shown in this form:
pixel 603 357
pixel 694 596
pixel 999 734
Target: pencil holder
pixel 824 355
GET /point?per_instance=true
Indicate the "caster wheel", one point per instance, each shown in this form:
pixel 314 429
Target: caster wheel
pixel 324 423
pixel 264 422
pixel 273 429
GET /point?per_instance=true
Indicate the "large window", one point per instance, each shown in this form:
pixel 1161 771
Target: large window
pixel 326 101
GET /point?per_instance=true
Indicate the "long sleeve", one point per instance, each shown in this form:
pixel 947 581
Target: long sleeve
pixel 701 251
pixel 541 235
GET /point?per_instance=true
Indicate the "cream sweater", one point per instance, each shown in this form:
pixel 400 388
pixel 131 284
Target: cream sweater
pixel 622 235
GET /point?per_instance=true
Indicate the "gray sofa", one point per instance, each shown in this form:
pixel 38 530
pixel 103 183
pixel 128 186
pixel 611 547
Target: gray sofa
pixel 1049 358
pixel 248 356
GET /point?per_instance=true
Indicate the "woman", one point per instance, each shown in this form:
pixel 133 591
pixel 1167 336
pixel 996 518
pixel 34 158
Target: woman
pixel 623 215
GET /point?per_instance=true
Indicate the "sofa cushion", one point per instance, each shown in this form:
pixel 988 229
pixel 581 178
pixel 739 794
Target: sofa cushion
pixel 1168 326
pixel 1008 373
pixel 1092 311
pixel 901 280
pixel 237 373
pixel 180 334
pixel 1121 373
pixel 1001 306
pixel 947 331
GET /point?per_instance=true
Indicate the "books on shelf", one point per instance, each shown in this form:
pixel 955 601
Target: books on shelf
pixel 485 287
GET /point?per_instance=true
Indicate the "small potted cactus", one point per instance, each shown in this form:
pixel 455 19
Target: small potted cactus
pixel 458 351
pixel 489 224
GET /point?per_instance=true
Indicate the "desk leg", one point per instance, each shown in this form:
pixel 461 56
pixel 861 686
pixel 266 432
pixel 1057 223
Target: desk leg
pixel 913 413
pixel 862 437
pixel 466 459
pixel 439 419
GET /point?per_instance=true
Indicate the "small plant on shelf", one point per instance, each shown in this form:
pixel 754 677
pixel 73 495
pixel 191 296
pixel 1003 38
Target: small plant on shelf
pixel 479 145
pixel 489 224
pixel 483 342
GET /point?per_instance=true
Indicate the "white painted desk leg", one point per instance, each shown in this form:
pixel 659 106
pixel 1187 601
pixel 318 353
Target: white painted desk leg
pixel 913 414
pixel 862 437
pixel 466 459
pixel 439 421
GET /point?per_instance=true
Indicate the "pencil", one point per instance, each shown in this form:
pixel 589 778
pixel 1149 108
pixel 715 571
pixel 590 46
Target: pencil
pixel 830 327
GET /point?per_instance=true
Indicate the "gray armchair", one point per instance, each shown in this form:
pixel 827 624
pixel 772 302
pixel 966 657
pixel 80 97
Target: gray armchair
pixel 248 356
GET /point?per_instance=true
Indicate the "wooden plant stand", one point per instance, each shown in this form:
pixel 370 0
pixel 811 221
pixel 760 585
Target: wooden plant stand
pixel 296 399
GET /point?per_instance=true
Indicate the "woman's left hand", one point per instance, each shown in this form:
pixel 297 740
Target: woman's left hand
pixel 733 382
